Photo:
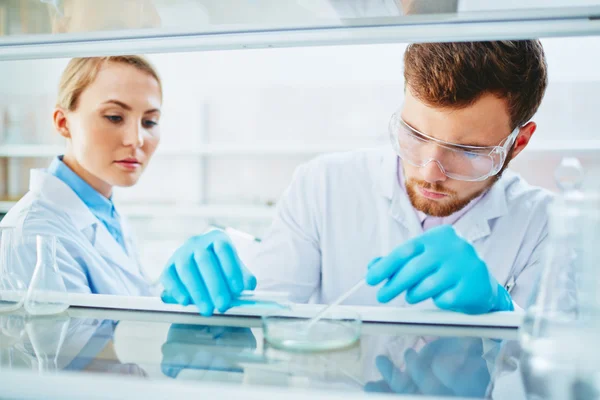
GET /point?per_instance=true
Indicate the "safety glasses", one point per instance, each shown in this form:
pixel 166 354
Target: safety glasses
pixel 465 163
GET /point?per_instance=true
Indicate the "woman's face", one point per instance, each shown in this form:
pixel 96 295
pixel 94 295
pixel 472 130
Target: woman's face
pixel 113 131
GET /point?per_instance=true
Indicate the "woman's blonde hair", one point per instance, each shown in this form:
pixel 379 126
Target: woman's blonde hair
pixel 81 72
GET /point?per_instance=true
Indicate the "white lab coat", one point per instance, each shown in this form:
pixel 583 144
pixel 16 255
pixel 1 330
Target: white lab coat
pixel 343 210
pixel 90 259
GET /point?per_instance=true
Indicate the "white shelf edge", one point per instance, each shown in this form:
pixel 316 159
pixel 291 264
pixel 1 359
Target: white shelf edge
pixel 557 23
pixel 548 146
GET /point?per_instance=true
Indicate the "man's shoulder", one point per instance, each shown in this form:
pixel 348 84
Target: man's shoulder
pixel 520 195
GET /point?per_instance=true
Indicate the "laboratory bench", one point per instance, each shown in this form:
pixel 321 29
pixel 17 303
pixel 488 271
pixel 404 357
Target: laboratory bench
pixel 90 353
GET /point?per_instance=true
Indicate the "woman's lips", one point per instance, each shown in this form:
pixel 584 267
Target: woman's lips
pixel 128 165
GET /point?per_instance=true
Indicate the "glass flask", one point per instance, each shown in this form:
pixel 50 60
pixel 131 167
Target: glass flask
pixel 12 286
pixel 559 333
pixel 47 293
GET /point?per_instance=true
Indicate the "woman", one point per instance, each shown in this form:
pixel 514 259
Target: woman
pixel 108 110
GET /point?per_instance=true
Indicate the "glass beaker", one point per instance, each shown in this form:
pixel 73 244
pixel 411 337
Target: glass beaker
pixel 47 293
pixel 559 332
pixel 12 286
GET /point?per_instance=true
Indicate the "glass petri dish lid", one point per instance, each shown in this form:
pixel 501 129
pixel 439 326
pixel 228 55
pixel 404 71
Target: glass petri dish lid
pixel 338 329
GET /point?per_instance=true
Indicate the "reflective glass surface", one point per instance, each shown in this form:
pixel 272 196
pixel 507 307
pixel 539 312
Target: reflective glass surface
pixel 390 358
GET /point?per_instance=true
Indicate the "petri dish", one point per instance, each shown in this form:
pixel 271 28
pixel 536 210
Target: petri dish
pixel 338 329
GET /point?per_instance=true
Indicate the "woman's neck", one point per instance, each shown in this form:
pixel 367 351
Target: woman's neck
pixel 99 185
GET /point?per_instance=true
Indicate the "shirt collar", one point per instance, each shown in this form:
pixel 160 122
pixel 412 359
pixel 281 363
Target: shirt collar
pixel 98 204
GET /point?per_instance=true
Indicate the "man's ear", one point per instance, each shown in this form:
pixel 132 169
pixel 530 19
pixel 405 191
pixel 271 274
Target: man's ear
pixel 523 137
pixel 60 123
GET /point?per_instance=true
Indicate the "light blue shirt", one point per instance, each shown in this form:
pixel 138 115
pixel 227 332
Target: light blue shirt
pixel 100 206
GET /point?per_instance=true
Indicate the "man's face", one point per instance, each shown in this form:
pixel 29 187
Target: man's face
pixel 485 123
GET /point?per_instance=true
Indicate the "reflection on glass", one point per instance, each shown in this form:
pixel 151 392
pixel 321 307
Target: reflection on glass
pixel 56 343
pixel 208 348
pixel 12 331
pixel 12 286
pixel 442 367
pixel 47 337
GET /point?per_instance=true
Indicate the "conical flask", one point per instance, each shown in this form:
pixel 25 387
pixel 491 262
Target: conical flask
pixel 47 293
pixel 12 286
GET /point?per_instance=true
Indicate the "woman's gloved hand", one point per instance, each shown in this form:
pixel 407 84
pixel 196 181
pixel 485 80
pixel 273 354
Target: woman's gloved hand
pixel 207 272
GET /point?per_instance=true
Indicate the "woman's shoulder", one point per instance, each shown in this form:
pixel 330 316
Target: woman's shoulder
pixel 31 214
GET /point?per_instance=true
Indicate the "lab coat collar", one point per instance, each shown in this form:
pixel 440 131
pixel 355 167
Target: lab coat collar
pixel 51 189
pixel 472 226
pixel 400 207
pixel 54 190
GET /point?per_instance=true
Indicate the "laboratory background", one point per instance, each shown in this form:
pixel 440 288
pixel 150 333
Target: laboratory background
pixel 236 124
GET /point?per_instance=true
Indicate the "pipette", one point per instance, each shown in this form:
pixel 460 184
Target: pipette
pixel 311 322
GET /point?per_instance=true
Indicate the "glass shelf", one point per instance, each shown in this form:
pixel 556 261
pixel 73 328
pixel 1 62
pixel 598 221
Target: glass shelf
pixel 64 28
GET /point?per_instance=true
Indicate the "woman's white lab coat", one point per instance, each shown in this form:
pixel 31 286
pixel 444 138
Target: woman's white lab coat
pixel 343 210
pixel 89 258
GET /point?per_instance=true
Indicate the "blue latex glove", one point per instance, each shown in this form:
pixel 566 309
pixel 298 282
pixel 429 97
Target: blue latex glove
pixel 207 272
pixel 444 367
pixel 214 348
pixel 443 266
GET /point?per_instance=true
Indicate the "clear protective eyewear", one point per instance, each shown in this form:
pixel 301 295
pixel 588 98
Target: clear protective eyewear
pixel 465 163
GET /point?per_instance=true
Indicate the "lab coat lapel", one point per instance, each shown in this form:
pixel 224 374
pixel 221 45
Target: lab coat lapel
pixel 401 210
pixel 59 193
pixel 110 249
pixel 475 224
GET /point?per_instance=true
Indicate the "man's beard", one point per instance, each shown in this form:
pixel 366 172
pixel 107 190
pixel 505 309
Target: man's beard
pixel 450 204
pixel 455 203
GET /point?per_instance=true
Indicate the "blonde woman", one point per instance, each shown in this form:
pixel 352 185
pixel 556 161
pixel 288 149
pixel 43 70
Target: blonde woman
pixel 108 110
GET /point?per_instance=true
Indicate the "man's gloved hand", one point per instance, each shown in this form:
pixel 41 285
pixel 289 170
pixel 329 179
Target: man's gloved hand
pixel 443 266
pixel 207 272
pixel 444 367
pixel 200 347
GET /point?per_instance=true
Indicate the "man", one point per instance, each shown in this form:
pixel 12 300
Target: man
pixel 438 219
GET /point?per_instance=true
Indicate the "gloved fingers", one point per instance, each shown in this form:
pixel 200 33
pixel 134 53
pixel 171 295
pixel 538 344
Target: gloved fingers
pixel 413 272
pixel 377 387
pixel 190 276
pixel 449 299
pixel 398 381
pixel 470 378
pixel 431 286
pixel 419 368
pixel 166 297
pixel 175 357
pixel 231 266
pixel 248 279
pixel 214 280
pixel 464 298
pixel 174 288
pixel 373 262
pixel 387 266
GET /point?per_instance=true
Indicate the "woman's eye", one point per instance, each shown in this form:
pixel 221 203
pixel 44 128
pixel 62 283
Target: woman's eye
pixel 114 118
pixel 149 123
